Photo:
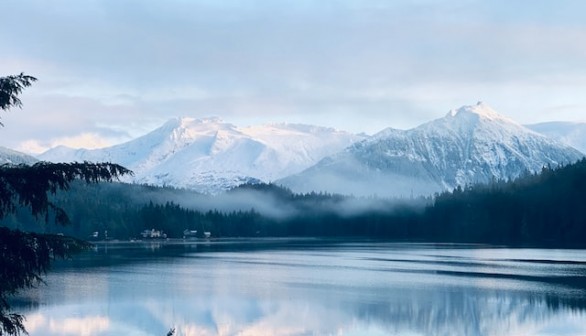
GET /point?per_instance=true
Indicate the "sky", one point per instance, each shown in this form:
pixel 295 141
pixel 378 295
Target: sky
pixel 111 70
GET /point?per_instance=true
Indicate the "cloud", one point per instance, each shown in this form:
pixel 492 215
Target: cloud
pixel 360 66
pixel 83 140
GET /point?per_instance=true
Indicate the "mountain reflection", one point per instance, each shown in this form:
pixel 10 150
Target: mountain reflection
pixel 344 291
pixel 445 313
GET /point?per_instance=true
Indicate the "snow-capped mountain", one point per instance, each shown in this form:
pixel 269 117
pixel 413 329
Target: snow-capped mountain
pixel 471 144
pixel 210 155
pixel 13 157
pixel 570 133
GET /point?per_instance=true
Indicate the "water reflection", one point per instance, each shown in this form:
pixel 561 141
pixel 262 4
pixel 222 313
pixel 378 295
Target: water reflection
pixel 316 289
pixel 83 326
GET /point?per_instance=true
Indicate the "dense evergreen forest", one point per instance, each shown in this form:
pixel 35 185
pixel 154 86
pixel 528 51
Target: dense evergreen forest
pixel 547 208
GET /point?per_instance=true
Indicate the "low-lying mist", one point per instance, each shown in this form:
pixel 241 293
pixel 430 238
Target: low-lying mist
pixel 538 209
pixel 273 201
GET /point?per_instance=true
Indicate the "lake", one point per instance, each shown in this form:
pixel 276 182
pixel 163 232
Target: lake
pixel 310 287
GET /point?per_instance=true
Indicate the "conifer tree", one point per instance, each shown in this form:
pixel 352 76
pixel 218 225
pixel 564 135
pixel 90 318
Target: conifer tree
pixel 26 256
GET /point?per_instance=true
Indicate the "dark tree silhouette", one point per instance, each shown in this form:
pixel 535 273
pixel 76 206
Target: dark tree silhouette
pixel 24 185
pixel 24 256
pixel 11 87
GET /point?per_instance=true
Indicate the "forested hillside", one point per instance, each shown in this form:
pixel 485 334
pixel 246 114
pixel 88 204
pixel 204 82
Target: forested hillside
pixel 537 209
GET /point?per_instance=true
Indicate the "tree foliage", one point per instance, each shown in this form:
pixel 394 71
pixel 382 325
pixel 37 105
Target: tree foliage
pixel 25 256
pixel 29 186
pixel 11 87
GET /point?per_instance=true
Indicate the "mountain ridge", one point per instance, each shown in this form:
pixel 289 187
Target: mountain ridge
pixel 473 143
pixel 210 155
pixel 10 156
pixel 469 145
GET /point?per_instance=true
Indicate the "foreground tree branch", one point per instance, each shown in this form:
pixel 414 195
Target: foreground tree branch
pixel 30 186
pixel 25 257
pixel 10 88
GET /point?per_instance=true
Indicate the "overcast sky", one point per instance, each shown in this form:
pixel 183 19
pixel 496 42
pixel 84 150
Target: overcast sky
pixel 112 70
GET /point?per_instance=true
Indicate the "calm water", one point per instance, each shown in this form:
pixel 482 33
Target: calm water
pixel 316 287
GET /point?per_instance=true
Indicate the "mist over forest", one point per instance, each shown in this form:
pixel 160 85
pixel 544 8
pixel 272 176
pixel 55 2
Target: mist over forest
pixel 545 208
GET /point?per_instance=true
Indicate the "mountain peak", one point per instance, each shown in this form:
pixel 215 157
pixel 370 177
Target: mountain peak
pixel 473 144
pixel 480 110
pixel 186 122
pixel 193 124
pixel 211 155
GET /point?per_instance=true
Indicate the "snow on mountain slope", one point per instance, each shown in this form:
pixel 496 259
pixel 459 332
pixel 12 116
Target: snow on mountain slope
pixel 570 133
pixel 13 157
pixel 471 144
pixel 210 155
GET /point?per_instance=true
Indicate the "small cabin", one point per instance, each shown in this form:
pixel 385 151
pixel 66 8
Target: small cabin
pixel 153 234
pixel 189 233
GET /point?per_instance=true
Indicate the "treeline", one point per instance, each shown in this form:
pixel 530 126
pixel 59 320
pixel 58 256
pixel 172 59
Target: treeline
pixel 547 208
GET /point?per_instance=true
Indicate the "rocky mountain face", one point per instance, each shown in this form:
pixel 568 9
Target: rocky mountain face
pixel 9 156
pixel 210 156
pixel 469 145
